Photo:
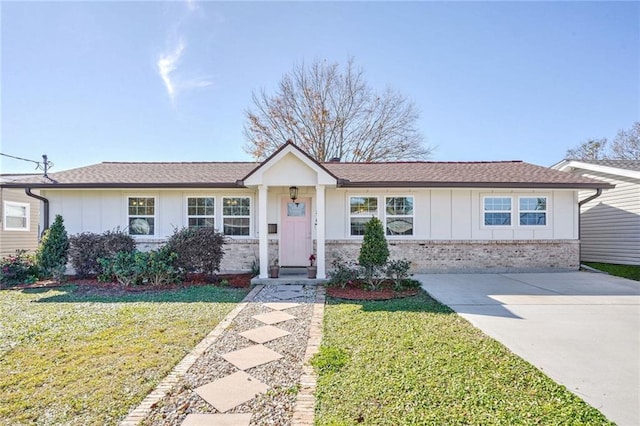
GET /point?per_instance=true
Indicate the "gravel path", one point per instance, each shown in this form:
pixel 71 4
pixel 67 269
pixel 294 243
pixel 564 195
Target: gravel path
pixel 283 376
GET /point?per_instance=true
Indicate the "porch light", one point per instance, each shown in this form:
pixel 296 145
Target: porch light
pixel 293 193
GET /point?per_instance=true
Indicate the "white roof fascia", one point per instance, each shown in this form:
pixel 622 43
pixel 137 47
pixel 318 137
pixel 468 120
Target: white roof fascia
pixel 564 165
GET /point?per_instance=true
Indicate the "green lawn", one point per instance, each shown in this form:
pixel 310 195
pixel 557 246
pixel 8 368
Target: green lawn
pixel 66 358
pixel 414 362
pixel 625 271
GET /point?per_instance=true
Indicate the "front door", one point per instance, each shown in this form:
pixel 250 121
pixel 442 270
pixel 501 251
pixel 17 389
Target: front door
pixel 295 239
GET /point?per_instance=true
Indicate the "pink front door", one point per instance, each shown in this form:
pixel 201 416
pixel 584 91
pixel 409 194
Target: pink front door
pixel 295 238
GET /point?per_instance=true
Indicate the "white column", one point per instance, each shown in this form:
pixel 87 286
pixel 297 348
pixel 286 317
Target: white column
pixel 263 231
pixel 320 231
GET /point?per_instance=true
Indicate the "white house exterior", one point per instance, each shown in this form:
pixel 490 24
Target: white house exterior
pixel 473 216
pixel 610 224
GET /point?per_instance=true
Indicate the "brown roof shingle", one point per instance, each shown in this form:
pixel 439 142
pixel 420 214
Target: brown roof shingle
pixel 502 174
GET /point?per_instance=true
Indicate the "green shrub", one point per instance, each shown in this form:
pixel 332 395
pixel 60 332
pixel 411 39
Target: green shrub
pixel 198 249
pixel 86 248
pixel 52 254
pixel 374 253
pixel 342 273
pixel 140 268
pixel 398 271
pixel 18 269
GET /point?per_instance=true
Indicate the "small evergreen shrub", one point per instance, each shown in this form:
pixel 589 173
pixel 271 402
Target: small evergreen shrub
pixel 198 249
pixel 86 248
pixel 140 268
pixel 20 268
pixel 52 254
pixel 398 271
pixel 342 273
pixel 374 253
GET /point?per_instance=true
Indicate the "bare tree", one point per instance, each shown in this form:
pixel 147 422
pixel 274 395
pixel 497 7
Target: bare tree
pixel 626 145
pixel 330 112
pixel 593 149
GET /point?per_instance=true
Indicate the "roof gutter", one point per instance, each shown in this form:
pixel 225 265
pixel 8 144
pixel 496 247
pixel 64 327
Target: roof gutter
pixel 593 197
pixel 46 207
pixel 580 204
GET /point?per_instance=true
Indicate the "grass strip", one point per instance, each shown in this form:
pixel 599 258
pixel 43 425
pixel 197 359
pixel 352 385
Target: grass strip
pixel 631 272
pixel 414 362
pixel 75 359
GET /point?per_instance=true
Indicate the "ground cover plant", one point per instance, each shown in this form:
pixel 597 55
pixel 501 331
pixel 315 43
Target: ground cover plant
pixel 81 355
pixel 625 271
pixel 413 361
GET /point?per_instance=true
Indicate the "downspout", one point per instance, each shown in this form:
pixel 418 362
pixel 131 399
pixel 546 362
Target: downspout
pixel 45 213
pixel 580 204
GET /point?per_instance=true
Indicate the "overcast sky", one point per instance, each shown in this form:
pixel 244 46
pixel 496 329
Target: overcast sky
pixel 86 82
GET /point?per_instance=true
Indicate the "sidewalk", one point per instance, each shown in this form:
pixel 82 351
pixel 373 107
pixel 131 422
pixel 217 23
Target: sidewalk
pixel 251 369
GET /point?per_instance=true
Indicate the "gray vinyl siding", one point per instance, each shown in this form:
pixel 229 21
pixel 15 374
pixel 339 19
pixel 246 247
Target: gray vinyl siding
pixel 610 224
pixel 10 241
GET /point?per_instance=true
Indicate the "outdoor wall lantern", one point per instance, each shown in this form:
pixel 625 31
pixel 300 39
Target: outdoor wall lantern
pixel 293 193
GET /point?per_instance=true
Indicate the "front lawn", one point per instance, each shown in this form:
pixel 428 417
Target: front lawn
pixel 414 362
pixel 625 271
pixel 73 357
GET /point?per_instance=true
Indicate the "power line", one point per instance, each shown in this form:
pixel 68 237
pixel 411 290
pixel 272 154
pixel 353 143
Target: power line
pixel 44 165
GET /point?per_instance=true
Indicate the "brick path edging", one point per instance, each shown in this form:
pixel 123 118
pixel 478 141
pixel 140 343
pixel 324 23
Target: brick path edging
pixel 303 411
pixel 165 385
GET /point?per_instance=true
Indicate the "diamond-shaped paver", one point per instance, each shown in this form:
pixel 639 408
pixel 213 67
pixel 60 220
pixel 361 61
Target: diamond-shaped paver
pixel 281 306
pixel 251 357
pixel 231 391
pixel 273 317
pixel 217 419
pixel 286 295
pixel 264 334
pixel 289 287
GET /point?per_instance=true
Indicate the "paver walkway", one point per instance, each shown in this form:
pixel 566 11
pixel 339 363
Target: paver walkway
pixel 242 385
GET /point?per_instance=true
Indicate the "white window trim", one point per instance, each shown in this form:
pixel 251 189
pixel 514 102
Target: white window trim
pixel 483 212
pixel 412 216
pixel 349 216
pixel 27 214
pixel 155 216
pixel 546 225
pixel 188 216
pixel 250 216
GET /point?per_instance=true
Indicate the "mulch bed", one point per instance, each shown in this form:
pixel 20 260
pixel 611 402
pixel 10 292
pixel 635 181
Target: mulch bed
pixel 357 291
pixel 91 285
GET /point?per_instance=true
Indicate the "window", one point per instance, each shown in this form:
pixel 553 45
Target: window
pixel 201 212
pixel 142 212
pixel 497 211
pixel 16 216
pixel 399 215
pixel 236 214
pixel 533 211
pixel 361 210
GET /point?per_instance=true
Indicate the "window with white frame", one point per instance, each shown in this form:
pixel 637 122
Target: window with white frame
pixel 236 216
pixel 141 215
pixel 533 211
pixel 361 210
pixel 399 215
pixel 497 211
pixel 201 212
pixel 16 216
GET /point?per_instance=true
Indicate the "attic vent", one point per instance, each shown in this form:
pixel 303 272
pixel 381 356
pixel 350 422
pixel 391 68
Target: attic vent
pixel 335 160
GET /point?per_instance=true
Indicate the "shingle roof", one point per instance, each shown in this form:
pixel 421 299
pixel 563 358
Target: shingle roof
pixel 502 174
pixel 620 164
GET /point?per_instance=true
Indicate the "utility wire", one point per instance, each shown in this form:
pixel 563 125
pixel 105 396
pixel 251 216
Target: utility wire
pixel 45 165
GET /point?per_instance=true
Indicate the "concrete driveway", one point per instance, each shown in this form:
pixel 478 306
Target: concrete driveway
pixel 582 329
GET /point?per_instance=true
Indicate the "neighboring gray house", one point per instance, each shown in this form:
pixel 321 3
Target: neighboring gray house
pixel 460 216
pixel 19 217
pixel 610 224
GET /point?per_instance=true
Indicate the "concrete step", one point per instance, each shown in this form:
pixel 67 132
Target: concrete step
pixel 285 279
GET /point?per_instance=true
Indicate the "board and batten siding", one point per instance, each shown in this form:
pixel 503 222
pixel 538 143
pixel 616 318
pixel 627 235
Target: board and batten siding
pixel 10 240
pixel 610 224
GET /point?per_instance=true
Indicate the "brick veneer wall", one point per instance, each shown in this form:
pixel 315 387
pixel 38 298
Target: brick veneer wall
pixel 429 255
pixel 472 256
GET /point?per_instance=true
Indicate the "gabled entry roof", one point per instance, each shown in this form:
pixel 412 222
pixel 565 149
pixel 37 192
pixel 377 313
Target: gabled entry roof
pixel 424 174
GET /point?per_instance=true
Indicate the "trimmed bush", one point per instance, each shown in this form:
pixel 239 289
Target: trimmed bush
pixel 52 254
pixel 86 248
pixel 198 249
pixel 374 253
pixel 140 268
pixel 342 273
